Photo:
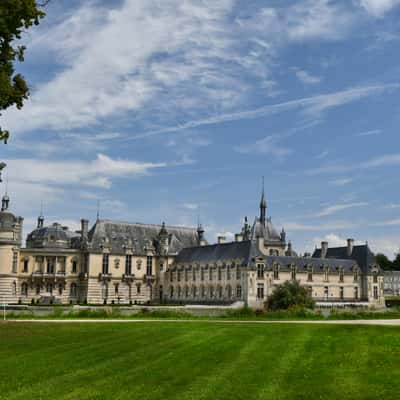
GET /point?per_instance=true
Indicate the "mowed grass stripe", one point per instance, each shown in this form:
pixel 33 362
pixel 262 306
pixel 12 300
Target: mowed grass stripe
pixel 201 361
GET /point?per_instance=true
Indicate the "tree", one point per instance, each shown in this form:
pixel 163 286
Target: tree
pixel 15 17
pixel 396 262
pixel 384 262
pixel 289 294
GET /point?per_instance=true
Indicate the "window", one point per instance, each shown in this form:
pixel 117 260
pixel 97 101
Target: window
pixel 293 272
pixel 186 291
pixel 128 264
pixel 356 275
pixel 341 275
pixel 220 292
pixel 210 274
pixel 211 292
pixel 73 290
pixel 309 274
pixel 202 274
pixel 179 275
pixel 161 266
pixel 356 293
pixel 326 293
pixel 375 277
pixel 171 276
pixel 194 274
pixel 203 291
pixel 229 292
pixel 74 266
pixel 375 292
pixel 186 275
pixel 116 288
pixel 15 262
pixel 49 288
pixel 106 260
pixel 260 291
pixel 50 265
pixel 149 265
pixel 237 273
pixel 130 291
pixel 260 271
pixel 238 291
pixel 326 274
pixel 194 291
pixel 37 289
pixel 85 263
pixel 276 272
pixel 14 288
pixel 219 274
pixel 179 292
pixel 60 289
pixel 171 291
pixel 309 291
pixel 104 290
pixel 24 289
pixel 341 293
pixel 26 265
pixel 138 288
pixel 228 273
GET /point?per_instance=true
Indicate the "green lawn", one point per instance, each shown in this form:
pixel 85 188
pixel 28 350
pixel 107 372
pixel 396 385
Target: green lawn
pixel 198 361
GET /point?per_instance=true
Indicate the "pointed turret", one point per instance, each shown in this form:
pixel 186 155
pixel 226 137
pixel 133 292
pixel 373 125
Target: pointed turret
pixel 163 239
pixel 200 234
pixel 263 205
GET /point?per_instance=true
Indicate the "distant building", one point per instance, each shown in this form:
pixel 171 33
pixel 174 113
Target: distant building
pixel 392 283
pixel 127 263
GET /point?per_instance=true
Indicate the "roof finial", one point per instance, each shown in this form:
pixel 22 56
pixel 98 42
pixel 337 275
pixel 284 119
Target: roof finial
pixel 98 210
pixel 263 204
pixel 40 223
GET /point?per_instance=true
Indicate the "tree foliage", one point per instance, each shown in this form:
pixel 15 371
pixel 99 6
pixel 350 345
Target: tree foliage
pixel 288 295
pixel 16 16
pixel 386 264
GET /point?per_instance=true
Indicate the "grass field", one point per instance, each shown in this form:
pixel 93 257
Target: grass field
pixel 198 361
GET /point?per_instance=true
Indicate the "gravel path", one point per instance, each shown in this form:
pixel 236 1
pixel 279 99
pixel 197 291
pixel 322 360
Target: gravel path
pixel 388 322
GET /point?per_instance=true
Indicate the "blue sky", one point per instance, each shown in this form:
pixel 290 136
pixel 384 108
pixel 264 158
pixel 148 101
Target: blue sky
pixel 166 110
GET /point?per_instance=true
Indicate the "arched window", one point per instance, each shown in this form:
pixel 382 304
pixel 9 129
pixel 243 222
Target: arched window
pixel 24 289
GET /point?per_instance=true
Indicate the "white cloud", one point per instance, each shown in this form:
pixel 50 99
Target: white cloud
pixel 333 225
pixel 97 173
pixel 378 8
pixel 306 78
pixel 190 206
pixel 268 145
pixel 339 207
pixel 373 132
pixel 341 182
pixel 389 245
pixel 392 206
pixel 332 239
pixel 391 222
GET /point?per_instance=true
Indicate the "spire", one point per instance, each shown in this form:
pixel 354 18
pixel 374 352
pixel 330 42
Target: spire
pixel 263 205
pixel 41 217
pixel 200 232
pixel 98 211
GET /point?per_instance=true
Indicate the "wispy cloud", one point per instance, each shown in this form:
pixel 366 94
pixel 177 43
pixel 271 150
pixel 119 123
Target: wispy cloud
pixel 339 207
pixel 328 226
pixel 373 132
pixel 341 182
pixel 268 145
pixel 378 8
pixel 306 78
pixel 392 206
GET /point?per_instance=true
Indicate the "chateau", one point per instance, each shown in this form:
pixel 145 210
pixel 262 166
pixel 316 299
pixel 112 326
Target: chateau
pixel 133 263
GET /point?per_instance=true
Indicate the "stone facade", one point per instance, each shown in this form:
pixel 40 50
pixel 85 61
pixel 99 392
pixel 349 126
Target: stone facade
pixel 128 263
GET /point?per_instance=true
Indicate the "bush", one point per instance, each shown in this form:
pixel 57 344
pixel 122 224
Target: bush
pixel 289 295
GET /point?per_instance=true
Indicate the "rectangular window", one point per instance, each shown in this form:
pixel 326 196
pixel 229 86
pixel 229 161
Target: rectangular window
pixel 74 266
pixel 356 275
pixel 202 274
pixel 179 275
pixel 309 290
pixel 219 274
pixel 228 273
pixel 194 274
pixel 26 265
pixel 375 277
pixel 237 273
pixel 50 265
pixel 149 265
pixel 326 293
pixel 238 291
pixel 341 293
pixel 116 288
pixel 341 275
pixel 186 275
pixel 260 271
pixel 210 274
pixel 260 291
pixel 276 272
pixel 106 259
pixel 356 293
pixel 85 263
pixel 293 273
pixel 128 264
pixel 138 288
pixel 375 292
pixel 15 263
pixel 309 274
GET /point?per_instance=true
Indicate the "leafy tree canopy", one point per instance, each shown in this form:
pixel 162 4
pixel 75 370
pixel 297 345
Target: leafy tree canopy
pixel 384 262
pixel 288 295
pixel 15 17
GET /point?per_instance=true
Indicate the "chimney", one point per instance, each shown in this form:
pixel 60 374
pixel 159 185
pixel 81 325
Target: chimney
pixel 350 246
pixel 324 249
pixel 84 229
pixel 221 239
pixel 238 237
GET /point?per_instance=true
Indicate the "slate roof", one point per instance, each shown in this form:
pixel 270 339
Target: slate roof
pixel 361 254
pixel 268 232
pixel 7 221
pixel 118 235
pixel 302 263
pixel 55 235
pixel 242 252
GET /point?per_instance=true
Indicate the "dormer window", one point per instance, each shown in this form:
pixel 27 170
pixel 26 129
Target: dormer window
pixel 309 273
pixel 276 272
pixel 293 271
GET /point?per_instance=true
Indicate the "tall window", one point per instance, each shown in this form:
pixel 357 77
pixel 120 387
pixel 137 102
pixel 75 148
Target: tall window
pixel 128 264
pixel 104 290
pixel 171 291
pixel 375 292
pixel 356 292
pixel 293 272
pixel 260 271
pixel 74 266
pixel 228 273
pixel 149 265
pixel 85 263
pixel 375 277
pixel 202 274
pixel 186 291
pixel 341 293
pixel 186 275
pixel 116 288
pixel 73 290
pixel 211 292
pixel 229 291
pixel 326 274
pixel 203 291
pixel 60 288
pixel 49 288
pixel 220 292
pixel 14 288
pixel 219 274
pixel 179 292
pixel 194 291
pixel 24 289
pixel 106 260
pixel 194 273
pixel 309 291
pixel 179 275
pixel 171 275
pixel 355 275
pixel 138 288
pixel 341 275
pixel 37 289
pixel 260 291
pixel 238 291
pixel 26 265
pixel 326 293
pixel 50 265
pixel 210 274
pixel 276 272
pixel 309 274
pixel 15 262
pixel 237 272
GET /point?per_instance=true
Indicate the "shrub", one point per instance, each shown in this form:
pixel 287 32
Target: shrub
pixel 289 295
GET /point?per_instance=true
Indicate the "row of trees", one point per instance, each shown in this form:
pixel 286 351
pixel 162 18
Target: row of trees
pixel 388 265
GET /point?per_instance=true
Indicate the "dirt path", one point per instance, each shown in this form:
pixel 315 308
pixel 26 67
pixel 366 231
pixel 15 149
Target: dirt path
pixel 388 322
